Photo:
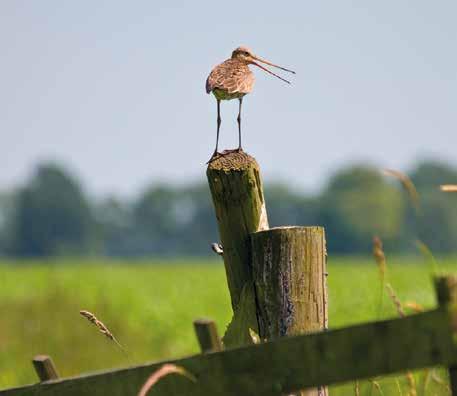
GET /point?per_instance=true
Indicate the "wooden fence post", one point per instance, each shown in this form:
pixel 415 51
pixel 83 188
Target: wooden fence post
pixel 446 290
pixel 289 272
pixel 207 336
pixel 236 189
pixel 44 368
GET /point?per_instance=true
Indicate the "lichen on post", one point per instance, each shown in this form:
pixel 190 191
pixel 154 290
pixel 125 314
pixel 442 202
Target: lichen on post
pixel 289 272
pixel 236 189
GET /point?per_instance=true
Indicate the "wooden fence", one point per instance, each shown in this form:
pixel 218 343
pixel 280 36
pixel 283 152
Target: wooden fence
pixel 287 364
pixel 277 284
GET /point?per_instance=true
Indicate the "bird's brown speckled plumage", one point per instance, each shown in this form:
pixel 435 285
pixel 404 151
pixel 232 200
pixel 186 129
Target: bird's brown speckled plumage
pixel 231 79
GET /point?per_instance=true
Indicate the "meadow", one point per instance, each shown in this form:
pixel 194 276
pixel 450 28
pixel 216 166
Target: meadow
pixel 150 305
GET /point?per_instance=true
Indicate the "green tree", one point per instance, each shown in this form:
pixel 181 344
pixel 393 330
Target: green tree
pixel 155 221
pixel 171 221
pixel 429 175
pixel 436 223
pixel 6 215
pixel 52 215
pixel 198 228
pixel 286 207
pixel 115 229
pixel 358 204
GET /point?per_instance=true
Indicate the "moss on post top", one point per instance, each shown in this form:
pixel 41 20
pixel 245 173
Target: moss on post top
pixel 233 161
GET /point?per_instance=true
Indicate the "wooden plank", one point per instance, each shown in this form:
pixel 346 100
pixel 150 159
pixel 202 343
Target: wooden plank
pixel 44 368
pixel 284 365
pixel 207 336
pixel 446 290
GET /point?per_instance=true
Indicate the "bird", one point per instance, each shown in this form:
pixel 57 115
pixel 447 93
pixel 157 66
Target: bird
pixel 232 79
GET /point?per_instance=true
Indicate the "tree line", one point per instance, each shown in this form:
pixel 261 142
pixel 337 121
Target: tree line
pixel 51 214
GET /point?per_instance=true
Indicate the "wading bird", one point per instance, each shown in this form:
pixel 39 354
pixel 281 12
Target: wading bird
pixel 233 79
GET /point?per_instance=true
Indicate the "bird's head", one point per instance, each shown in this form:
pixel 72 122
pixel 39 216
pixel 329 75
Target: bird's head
pixel 245 55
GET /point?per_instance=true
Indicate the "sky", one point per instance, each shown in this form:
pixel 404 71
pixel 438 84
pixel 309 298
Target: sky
pixel 114 90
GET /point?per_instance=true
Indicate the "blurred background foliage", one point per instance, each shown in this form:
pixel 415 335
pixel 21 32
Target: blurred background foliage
pixel 52 215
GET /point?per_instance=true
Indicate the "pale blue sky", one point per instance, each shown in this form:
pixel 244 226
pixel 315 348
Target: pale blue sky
pixel 115 89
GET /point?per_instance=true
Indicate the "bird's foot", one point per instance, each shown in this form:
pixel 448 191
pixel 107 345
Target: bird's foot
pixel 214 157
pixel 237 150
pixel 217 155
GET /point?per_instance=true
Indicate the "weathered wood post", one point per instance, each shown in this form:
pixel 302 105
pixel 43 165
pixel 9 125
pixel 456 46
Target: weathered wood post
pixel 289 272
pixel 446 290
pixel 277 277
pixel 236 189
pixel 44 368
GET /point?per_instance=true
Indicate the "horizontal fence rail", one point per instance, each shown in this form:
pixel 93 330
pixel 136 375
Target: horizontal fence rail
pixel 362 351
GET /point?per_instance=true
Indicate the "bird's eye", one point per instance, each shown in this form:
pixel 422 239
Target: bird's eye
pixel 246 53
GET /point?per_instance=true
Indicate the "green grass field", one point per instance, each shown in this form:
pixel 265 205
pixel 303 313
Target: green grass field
pixel 150 309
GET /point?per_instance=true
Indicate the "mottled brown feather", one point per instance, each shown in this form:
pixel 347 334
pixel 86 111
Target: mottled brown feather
pixel 232 77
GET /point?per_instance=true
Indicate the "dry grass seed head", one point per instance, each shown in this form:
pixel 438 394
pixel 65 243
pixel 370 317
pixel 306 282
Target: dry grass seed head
pixel 411 384
pixel 378 254
pixel 395 300
pixel 100 325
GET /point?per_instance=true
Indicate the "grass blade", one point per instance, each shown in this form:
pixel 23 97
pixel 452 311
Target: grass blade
pixel 163 371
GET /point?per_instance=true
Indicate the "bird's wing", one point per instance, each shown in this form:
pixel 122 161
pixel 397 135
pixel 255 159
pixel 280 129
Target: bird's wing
pixel 209 84
pixel 246 83
pixel 214 78
pixel 231 77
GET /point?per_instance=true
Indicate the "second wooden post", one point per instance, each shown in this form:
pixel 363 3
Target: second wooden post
pixel 289 272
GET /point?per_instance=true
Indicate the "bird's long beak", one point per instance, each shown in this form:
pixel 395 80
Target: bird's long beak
pixel 271 64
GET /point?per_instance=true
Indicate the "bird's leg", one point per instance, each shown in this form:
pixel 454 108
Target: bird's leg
pixel 239 125
pixel 215 154
pixel 218 123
